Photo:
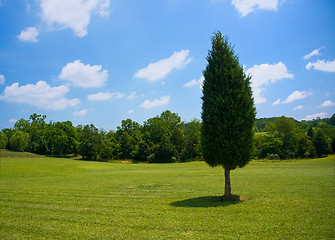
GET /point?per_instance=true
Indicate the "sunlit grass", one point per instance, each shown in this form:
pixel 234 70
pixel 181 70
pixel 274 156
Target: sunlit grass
pixel 43 197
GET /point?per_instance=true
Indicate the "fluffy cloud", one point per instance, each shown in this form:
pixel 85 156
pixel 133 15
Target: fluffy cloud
pixel 195 82
pixel 74 14
pixel 101 96
pixel 159 70
pixel 258 97
pixel 315 116
pixel 2 79
pixel 313 53
pixel 322 65
pixel 156 102
pixel 40 95
pixel 30 34
pixel 80 113
pixel 85 76
pixel 328 103
pixel 247 6
pixel 265 74
pixel 297 95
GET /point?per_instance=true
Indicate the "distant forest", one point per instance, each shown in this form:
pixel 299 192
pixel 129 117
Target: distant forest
pixel 164 138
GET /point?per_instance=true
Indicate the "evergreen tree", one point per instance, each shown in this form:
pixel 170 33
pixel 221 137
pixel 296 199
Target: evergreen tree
pixel 228 111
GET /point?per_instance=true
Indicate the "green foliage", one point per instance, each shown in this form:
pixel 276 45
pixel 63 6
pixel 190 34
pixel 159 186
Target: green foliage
pixel 90 142
pixel 310 132
pixel 284 129
pixel 163 135
pixel 320 143
pixel 260 123
pixel 129 135
pixel 327 129
pixel 332 120
pixel 192 148
pixel 272 156
pixel 305 147
pixel 19 141
pixel 58 138
pixel 228 111
pixel 286 139
pixel 332 143
pixel 270 145
pixel 3 140
pixel 164 152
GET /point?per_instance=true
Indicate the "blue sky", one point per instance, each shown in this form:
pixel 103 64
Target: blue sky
pixel 103 61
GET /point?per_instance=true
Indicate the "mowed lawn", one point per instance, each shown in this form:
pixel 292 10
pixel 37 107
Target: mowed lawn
pixel 60 198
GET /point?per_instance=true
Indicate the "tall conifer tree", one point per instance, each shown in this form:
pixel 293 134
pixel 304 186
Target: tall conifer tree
pixel 228 111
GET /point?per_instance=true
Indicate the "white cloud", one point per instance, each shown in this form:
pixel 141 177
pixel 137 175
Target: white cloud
pixel 2 79
pixel 328 103
pixel 130 111
pixel 40 95
pixel 265 74
pixel 313 53
pixel 297 95
pixel 257 93
pixel 322 65
pixel 101 96
pixel 12 120
pixel 80 113
pixel 191 83
pixel 156 102
pixel 315 116
pixel 85 76
pixel 131 96
pixel 30 34
pixel 159 70
pixel 298 107
pixel 195 82
pixel 277 102
pixel 74 14
pixel 247 6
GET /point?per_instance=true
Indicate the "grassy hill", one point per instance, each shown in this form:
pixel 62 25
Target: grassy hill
pixel 43 197
pixel 4 153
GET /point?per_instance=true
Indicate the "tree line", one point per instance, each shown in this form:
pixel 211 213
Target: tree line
pixel 286 138
pixel 164 138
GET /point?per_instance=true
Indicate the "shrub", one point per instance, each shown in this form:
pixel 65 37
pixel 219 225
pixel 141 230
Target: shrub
pixel 272 156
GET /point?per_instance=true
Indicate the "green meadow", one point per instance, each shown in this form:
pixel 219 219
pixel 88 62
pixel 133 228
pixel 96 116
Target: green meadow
pixel 64 198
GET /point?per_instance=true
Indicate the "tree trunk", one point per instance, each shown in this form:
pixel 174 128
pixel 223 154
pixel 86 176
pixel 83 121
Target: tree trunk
pixel 227 189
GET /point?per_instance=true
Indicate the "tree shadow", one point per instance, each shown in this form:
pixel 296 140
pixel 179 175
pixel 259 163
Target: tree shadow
pixel 208 201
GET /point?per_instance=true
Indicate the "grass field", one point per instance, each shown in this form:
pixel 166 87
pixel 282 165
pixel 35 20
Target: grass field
pixel 59 198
